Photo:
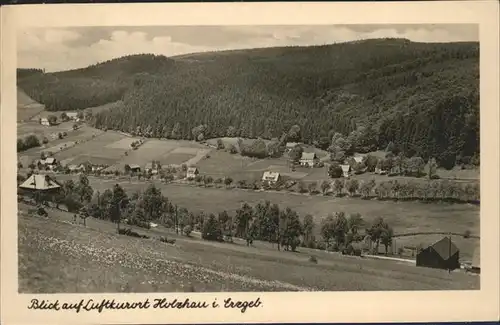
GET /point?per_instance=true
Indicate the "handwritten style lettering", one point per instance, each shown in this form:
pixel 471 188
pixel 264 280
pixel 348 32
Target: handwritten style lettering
pixel 44 305
pixel 159 303
pixel 112 304
pixel 242 305
pixel 164 303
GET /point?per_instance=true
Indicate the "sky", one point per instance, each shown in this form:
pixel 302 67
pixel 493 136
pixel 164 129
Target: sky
pixel 57 49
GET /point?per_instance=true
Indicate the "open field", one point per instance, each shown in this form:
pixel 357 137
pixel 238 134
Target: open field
pixel 27 108
pixel 165 151
pixel 94 150
pixel 404 217
pixel 55 256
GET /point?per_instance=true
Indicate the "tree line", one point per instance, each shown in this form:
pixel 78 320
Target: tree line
pixel 264 221
pixel 423 98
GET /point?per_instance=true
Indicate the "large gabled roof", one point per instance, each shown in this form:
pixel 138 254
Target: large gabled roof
pixel 40 182
pixel 445 248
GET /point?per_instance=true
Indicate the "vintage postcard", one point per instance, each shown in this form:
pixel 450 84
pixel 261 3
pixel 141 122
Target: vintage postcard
pixel 286 162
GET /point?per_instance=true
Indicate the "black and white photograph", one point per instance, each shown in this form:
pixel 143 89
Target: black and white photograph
pixel 254 158
pixel 259 158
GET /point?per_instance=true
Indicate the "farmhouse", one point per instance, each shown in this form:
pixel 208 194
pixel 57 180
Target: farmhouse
pixel 443 254
pixel 73 116
pixel 192 172
pixel 346 170
pixel 44 121
pixel 49 162
pixel 270 177
pixel 308 159
pixel 37 183
pixel 291 145
pixel 135 168
pixel 380 171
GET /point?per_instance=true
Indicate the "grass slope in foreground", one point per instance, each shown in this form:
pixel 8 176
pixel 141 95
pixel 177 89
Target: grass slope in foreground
pixel 57 257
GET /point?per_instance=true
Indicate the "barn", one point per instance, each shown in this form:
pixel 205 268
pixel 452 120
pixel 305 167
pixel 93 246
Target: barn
pixel 443 254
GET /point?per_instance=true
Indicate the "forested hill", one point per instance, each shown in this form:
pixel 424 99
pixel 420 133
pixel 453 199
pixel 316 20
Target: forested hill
pixel 422 96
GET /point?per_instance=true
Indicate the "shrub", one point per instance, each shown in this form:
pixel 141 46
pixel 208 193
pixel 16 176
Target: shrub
pixel 131 233
pixel 467 234
pixel 313 259
pixel 41 212
pixel 166 240
pixel 187 230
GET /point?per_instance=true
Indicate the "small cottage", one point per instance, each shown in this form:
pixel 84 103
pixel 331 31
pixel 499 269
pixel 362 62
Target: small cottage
pixel 49 162
pixel 291 145
pixel 271 177
pixel 443 254
pixel 192 172
pixel 308 159
pixel 44 121
pixel 346 170
pixel 135 168
pixel 73 116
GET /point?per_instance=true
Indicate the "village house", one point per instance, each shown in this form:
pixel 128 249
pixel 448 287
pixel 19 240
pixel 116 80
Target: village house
pixel 49 162
pixel 135 168
pixel 290 146
pixel 44 121
pixel 346 170
pixel 271 177
pixel 380 171
pixel 76 168
pixel 192 172
pixel 443 254
pixel 308 159
pixel 39 184
pixel 73 116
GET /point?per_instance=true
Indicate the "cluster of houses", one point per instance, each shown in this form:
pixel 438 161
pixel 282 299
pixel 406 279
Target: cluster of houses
pixel 72 116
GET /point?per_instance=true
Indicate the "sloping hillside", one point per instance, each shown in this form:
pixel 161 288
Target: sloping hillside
pixel 422 97
pixel 26 106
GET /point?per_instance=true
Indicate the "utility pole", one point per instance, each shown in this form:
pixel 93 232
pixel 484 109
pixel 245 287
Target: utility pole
pixel 176 221
pixel 449 254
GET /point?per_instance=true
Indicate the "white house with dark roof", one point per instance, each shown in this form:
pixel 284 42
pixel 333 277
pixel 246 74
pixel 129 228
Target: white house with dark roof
pixel 44 121
pixel 192 172
pixel 270 177
pixel 346 170
pixel 308 159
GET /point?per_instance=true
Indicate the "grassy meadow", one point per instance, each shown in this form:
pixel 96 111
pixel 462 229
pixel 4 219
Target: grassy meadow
pixel 57 256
